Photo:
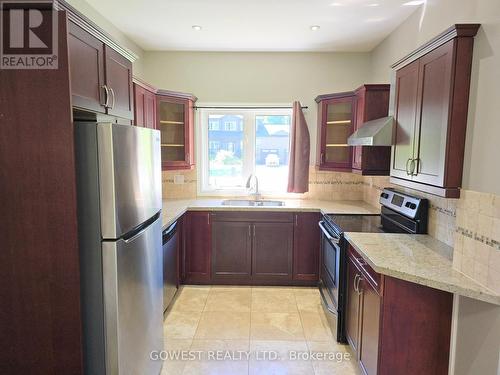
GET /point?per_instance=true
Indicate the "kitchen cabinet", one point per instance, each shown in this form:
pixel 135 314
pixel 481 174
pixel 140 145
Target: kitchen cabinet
pixel 253 248
pixel 432 94
pixel 272 251
pixel 119 83
pixel 101 78
pixel 197 248
pixel 144 106
pixel 175 120
pixel 86 55
pixel 395 326
pixel 336 117
pixel 372 102
pixel 306 244
pixel 231 250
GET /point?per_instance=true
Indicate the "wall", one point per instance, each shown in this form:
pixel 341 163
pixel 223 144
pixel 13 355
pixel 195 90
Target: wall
pixel 481 172
pixel 263 78
pixel 83 7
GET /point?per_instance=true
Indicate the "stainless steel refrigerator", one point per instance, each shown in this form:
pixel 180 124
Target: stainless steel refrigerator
pixel 120 237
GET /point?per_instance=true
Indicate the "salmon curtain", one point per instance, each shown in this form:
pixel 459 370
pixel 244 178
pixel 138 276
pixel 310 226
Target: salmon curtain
pixel 300 144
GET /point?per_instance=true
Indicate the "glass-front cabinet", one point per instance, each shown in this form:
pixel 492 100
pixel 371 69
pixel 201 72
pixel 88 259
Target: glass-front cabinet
pixel 175 122
pixel 336 116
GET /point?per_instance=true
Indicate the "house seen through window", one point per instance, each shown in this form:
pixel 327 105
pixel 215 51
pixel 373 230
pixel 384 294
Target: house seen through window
pixel 238 144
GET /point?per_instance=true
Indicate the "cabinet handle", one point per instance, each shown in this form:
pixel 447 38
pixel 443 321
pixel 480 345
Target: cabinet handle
pixel 187 157
pixel 355 283
pixel 113 98
pixel 407 169
pixel 296 220
pixel 254 231
pixel 322 158
pixel 416 163
pixel 249 231
pixel 106 94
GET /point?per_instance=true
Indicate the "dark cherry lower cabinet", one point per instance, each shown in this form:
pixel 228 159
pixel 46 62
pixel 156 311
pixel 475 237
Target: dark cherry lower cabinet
pixel 231 250
pixel 395 326
pixel 306 244
pixel 272 251
pixel 274 248
pixel 197 249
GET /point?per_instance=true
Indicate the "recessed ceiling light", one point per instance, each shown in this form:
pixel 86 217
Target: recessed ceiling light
pixel 373 5
pixel 414 3
pixel 315 27
pixel 336 4
pixel 196 27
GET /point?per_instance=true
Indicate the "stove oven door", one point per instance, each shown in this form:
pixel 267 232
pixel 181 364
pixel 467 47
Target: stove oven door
pixel 330 279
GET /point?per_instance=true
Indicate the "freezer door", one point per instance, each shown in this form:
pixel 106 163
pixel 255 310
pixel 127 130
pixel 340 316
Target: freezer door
pixel 129 177
pixel 133 302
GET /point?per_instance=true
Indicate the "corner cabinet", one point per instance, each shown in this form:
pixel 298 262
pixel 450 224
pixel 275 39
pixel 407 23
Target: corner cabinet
pixel 336 116
pixel 372 102
pixel 340 115
pixel 175 120
pixel 144 105
pixel 395 326
pixel 101 78
pixel 431 105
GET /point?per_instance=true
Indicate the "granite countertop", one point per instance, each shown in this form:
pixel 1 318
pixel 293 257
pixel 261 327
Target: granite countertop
pixel 420 259
pixel 175 208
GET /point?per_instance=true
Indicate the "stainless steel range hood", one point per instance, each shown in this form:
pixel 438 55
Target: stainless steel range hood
pixel 377 132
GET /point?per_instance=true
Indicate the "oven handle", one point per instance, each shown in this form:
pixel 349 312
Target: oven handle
pixel 326 303
pixel 333 240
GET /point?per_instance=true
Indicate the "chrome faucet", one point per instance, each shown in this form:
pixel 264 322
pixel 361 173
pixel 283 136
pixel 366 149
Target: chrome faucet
pixel 256 194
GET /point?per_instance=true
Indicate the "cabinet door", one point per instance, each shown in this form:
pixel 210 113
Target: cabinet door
pixel 150 110
pixel 306 243
pixel 360 119
pixel 434 94
pixel 86 63
pixel 406 112
pixel 272 251
pixel 197 247
pixel 174 120
pixel 370 328
pixel 352 306
pixel 337 119
pixel 119 82
pixel 231 249
pixel 139 105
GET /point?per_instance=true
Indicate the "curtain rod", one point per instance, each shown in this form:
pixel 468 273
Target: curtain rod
pixel 227 107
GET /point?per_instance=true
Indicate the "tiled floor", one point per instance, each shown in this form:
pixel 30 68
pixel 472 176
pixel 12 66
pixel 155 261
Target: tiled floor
pixel 257 331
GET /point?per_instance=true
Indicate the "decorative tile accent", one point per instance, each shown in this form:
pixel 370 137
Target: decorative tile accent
pixel 479 238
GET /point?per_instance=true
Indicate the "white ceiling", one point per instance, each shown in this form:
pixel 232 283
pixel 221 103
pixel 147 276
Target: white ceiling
pixel 255 25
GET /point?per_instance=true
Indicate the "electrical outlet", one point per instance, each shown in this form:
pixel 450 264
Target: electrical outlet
pixel 178 179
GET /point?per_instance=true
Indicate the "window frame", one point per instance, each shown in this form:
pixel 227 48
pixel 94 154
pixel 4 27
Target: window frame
pixel 249 145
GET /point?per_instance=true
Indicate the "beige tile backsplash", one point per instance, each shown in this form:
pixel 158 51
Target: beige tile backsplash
pixel 470 224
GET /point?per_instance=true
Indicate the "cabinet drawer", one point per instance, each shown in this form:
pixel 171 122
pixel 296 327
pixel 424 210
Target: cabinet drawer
pixel 374 278
pixel 262 216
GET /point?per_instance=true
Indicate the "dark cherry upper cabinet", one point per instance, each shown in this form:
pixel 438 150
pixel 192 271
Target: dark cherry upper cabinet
pixel 119 83
pixel 432 96
pixel 175 120
pixel 336 117
pixel 197 247
pixel 144 106
pixel 272 253
pixel 101 78
pixel 86 56
pixel 306 243
pixel 395 326
pixel 231 250
pixel 372 102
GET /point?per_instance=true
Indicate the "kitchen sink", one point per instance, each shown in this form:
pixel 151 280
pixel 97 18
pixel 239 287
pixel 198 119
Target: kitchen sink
pixel 252 203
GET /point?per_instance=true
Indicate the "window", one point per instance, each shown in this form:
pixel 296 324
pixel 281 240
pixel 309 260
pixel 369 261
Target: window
pixel 250 142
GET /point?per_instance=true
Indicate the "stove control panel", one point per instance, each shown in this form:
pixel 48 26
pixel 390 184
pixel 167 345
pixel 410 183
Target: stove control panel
pixel 401 202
